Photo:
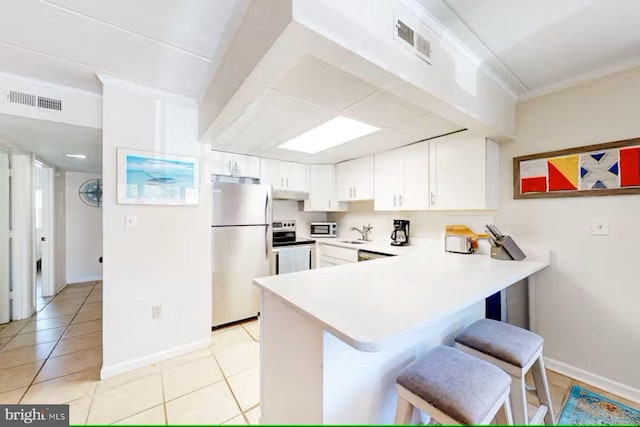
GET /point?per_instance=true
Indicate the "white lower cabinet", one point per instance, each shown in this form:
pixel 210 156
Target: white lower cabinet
pixel 330 256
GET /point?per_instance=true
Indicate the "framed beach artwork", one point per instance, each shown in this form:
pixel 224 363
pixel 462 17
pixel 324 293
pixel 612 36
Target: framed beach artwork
pixel 607 169
pixel 148 178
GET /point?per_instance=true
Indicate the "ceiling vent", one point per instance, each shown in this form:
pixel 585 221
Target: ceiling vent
pixel 34 100
pixel 416 43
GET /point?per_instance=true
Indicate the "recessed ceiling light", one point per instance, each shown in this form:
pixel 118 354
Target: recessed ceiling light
pixel 330 134
pixel 76 156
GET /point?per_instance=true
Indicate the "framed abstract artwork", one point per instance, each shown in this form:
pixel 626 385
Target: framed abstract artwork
pixel 593 170
pixel 148 178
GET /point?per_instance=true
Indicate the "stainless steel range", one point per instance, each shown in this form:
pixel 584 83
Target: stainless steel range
pixel 291 253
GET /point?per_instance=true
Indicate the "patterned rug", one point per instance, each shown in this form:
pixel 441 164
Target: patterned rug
pixel 584 407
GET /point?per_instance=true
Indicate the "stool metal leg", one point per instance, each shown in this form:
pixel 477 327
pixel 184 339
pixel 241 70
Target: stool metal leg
pixel 404 410
pixel 542 386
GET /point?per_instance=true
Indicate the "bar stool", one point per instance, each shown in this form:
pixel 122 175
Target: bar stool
pixel 453 388
pixel 516 351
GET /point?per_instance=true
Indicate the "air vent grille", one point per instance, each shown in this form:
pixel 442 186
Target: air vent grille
pixel 417 43
pixel 49 104
pixel 405 32
pixel 22 98
pixel 423 46
pixel 34 100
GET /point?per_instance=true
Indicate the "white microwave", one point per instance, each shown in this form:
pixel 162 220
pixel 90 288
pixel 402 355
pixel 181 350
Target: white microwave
pixel 323 229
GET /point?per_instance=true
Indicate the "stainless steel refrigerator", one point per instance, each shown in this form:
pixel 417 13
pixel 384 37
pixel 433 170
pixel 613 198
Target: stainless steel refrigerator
pixel 241 239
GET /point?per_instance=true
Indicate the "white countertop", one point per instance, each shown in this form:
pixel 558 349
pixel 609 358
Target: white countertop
pixel 368 304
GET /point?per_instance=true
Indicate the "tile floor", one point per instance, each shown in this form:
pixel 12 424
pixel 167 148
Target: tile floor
pixel 55 357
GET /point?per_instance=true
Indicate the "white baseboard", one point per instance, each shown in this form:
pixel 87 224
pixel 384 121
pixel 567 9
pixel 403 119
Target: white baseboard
pixel 120 368
pixel 602 383
pixel 85 279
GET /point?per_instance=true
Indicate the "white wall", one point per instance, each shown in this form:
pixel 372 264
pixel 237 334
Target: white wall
pixel 290 209
pixel 587 301
pixel 166 259
pixel 60 229
pixel 83 232
pixel 423 225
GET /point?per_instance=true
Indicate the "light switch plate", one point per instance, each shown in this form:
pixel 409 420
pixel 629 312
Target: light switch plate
pixel 600 227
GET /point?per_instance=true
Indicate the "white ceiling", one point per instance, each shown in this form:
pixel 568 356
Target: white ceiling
pixel 313 92
pixel 547 44
pixel 171 44
pixel 50 140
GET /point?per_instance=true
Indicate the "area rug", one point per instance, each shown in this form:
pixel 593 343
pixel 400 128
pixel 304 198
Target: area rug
pixel 584 407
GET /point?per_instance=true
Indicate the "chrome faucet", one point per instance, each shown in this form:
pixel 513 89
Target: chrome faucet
pixel 364 232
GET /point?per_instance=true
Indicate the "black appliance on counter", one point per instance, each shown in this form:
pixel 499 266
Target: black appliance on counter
pixel 400 233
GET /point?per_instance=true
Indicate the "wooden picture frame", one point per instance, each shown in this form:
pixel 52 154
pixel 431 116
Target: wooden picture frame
pixel 560 165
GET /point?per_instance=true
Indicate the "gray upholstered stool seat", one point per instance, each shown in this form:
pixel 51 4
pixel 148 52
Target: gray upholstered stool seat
pixel 502 341
pixel 516 351
pixel 460 386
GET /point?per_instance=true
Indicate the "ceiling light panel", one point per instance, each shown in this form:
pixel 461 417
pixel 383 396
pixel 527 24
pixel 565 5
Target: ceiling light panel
pixel 330 134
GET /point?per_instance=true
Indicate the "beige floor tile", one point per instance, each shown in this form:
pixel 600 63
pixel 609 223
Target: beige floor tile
pixel 75 297
pixel 87 317
pixel 126 400
pixel 79 409
pixel 246 388
pixel 33 338
pixel 77 343
pixel 71 287
pixel 228 339
pixel 239 359
pixel 253 415
pixel 128 377
pixel 70 363
pixel 22 355
pixel 211 405
pixel 237 421
pixel 12 397
pixel 83 328
pixel 54 322
pixel 254 329
pixel 186 378
pixel 12 328
pixel 18 376
pixel 94 299
pixel 64 389
pixel 185 358
pixel 91 307
pixel 55 311
pixel 153 416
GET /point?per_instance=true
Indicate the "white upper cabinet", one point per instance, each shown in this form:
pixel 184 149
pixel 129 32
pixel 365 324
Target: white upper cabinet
pixel 230 164
pixel 464 172
pixel 322 190
pixel 285 176
pixel 402 178
pixel 354 179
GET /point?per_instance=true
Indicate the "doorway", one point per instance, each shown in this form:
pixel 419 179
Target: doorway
pixel 43 231
pixel 5 242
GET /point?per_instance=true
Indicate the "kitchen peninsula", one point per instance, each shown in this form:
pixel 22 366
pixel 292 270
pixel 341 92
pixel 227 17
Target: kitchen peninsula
pixel 333 339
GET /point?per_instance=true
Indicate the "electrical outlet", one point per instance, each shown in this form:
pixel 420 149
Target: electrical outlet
pixel 156 312
pixel 600 227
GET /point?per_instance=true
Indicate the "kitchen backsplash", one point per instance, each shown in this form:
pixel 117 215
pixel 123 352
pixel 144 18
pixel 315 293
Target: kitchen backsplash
pixel 290 209
pixel 429 225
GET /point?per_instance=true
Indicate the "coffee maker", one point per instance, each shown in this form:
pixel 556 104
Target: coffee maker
pixel 400 234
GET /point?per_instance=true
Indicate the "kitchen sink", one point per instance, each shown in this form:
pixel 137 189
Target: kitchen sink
pixel 354 242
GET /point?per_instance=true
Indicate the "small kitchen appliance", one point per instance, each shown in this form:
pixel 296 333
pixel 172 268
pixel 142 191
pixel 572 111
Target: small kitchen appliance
pixel 460 239
pixel 400 233
pixel 323 229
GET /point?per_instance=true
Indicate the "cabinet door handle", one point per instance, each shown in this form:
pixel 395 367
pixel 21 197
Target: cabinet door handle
pixel 394 200
pixel 287 181
pixel 354 192
pixel 433 199
pixel 400 199
pixel 281 182
pixel 329 203
pixel 350 192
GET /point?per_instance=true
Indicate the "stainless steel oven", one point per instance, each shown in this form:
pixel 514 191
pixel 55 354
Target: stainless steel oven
pixel 323 229
pixel 290 253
